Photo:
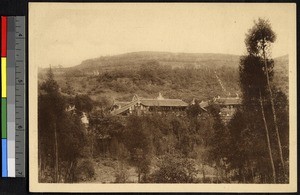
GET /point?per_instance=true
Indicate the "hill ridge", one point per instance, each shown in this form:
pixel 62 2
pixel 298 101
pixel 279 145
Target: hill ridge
pixel 164 56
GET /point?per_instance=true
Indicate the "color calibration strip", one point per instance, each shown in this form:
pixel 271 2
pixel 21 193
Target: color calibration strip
pixel 4 95
pixel 13 96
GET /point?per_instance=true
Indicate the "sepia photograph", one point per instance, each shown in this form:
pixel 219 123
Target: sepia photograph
pixel 157 97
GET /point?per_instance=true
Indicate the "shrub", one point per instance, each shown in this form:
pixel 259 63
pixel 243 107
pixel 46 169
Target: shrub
pixel 85 171
pixel 175 169
pixel 121 175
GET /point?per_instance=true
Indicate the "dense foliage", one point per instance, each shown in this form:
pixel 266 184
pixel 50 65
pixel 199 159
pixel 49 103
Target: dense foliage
pixel 252 151
pixel 60 133
pixel 194 146
pixel 183 83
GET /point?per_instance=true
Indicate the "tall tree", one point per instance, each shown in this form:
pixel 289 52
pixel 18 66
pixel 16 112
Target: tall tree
pixel 50 108
pixel 268 136
pixel 61 135
pixel 254 84
pixel 258 42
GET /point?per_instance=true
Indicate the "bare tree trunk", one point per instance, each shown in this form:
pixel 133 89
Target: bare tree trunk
pixel 203 172
pixel 56 154
pixel 252 173
pixel 139 177
pixel 40 165
pixel 70 173
pixel 268 138
pixel 92 146
pixel 244 177
pixel 217 174
pixel 274 113
pixel 40 159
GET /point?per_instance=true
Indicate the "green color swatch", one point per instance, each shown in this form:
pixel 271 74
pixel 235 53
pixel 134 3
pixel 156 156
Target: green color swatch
pixel 3 118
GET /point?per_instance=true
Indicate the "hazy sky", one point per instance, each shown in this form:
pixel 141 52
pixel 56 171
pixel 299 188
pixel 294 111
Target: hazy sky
pixel 67 33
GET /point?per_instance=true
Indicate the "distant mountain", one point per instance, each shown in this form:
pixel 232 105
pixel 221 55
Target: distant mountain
pixel 131 61
pixel 121 78
pixel 134 59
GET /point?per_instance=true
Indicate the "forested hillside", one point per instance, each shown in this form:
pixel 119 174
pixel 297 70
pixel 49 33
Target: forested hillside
pixel 281 72
pixel 195 147
pixel 129 60
pixel 181 75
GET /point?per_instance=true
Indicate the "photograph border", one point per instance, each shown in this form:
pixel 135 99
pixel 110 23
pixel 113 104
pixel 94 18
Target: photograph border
pixel 35 186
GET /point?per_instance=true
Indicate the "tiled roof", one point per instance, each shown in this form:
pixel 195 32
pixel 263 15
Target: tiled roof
pixel 163 102
pixel 159 102
pixel 124 108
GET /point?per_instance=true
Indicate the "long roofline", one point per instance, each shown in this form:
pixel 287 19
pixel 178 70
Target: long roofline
pixel 159 99
pixel 140 99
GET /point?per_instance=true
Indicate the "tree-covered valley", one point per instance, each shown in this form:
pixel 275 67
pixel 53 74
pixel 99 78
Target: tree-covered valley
pixel 82 141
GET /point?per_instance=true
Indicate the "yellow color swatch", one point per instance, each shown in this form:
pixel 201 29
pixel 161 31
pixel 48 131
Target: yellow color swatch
pixel 3 76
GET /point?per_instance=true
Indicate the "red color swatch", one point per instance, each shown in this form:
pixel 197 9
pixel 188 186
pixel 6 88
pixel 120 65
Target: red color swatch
pixel 3 35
